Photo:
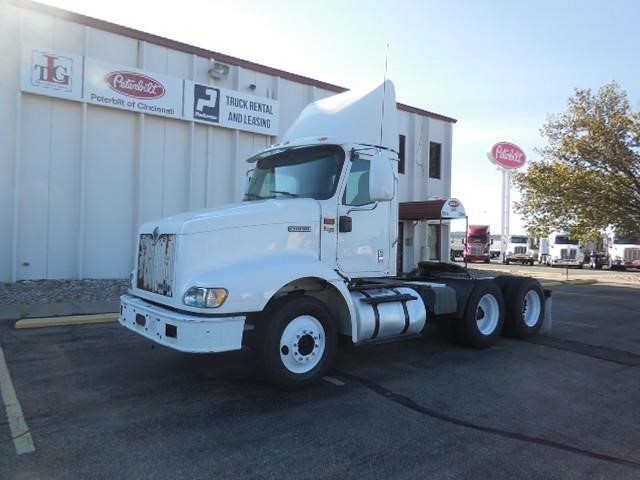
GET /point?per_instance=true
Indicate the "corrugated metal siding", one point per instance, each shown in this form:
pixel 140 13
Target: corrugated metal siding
pixel 77 180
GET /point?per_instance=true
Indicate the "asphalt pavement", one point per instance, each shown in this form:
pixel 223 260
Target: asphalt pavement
pixel 101 402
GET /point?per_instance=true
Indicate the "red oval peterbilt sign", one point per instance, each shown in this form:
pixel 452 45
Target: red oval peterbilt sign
pixel 135 85
pixel 507 155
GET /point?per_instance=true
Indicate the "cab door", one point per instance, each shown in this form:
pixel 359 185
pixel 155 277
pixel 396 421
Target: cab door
pixel 364 244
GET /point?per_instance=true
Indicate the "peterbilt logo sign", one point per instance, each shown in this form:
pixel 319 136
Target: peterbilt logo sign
pixel 135 85
pixel 507 155
pixel 454 203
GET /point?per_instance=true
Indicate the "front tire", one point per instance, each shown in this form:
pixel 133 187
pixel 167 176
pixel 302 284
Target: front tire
pixel 296 342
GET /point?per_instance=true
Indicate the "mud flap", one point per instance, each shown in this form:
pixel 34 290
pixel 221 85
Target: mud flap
pixel 548 302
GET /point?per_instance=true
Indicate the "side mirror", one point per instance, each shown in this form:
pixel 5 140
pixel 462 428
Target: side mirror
pixel 247 180
pixel 381 179
pixel 464 241
pixel 492 241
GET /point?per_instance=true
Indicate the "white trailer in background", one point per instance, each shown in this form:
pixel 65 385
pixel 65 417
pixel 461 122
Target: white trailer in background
pixel 310 256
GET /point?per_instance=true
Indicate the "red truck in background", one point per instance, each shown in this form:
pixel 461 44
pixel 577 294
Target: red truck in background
pixel 477 245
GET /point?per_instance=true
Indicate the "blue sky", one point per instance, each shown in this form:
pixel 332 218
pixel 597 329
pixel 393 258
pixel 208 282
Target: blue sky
pixel 499 67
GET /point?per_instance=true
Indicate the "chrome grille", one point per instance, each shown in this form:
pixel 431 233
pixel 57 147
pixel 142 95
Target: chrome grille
pixel 631 254
pixel 155 263
pixel 476 250
pixel 568 254
pixel 520 250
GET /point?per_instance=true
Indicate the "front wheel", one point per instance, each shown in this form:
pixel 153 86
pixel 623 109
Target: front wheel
pixel 297 342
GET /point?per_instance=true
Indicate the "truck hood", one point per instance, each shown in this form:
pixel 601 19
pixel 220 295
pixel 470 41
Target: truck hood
pixel 297 212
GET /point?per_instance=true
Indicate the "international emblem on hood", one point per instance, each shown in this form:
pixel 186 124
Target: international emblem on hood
pixel 135 85
pixel 156 234
pixel 298 228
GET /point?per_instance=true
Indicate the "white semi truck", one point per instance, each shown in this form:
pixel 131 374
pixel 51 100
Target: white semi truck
pixel 521 249
pixel 559 249
pixel 310 256
pixel 622 252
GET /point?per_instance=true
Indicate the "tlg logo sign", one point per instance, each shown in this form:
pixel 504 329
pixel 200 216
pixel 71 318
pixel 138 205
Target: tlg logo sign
pixel 206 103
pixel 52 71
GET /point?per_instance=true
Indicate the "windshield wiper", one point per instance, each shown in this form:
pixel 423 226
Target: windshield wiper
pixel 288 194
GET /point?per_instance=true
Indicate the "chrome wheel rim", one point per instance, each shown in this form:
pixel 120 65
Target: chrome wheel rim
pixel 302 344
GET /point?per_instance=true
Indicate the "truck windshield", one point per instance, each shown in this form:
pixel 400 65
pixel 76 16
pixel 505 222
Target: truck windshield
pixel 565 241
pixel 308 172
pixel 518 239
pixel 477 239
pixel 626 241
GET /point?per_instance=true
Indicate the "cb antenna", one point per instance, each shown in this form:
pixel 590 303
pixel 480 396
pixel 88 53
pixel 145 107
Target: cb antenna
pixel 384 90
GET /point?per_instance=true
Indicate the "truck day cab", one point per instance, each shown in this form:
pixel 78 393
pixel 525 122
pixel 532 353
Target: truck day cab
pixel 310 255
pixel 521 250
pixel 561 250
pixel 622 253
pixel 478 244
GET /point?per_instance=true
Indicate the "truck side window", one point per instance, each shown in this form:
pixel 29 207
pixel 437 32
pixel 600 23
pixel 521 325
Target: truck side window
pixel 357 191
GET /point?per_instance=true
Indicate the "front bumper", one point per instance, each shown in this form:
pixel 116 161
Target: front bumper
pixel 627 263
pixel 519 258
pixel 567 262
pixel 181 331
pixel 477 258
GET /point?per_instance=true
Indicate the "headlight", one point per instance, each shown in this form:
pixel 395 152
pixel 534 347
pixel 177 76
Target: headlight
pixel 205 297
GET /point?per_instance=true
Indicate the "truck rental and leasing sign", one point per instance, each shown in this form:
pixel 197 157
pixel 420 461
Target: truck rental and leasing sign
pixel 74 77
pixel 228 108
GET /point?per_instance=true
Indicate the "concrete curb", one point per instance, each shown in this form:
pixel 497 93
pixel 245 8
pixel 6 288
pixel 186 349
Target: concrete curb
pixel 66 321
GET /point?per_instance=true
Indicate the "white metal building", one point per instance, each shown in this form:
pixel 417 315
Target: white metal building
pixel 103 128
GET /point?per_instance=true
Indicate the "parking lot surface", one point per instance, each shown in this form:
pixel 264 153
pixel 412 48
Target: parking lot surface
pixel 100 402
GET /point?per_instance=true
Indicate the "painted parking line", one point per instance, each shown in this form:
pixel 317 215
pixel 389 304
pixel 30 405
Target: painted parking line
pixel 65 321
pixel 20 433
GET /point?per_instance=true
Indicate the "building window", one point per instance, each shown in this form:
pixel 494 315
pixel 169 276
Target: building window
pixel 401 154
pixel 435 159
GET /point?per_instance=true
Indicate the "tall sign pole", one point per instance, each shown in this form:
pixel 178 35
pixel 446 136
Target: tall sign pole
pixel 506 212
pixel 507 156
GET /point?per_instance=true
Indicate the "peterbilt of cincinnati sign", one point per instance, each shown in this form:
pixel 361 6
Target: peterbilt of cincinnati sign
pixel 71 76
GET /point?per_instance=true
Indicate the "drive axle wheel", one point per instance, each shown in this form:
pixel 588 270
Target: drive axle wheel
pixel 483 317
pixel 296 342
pixel 524 308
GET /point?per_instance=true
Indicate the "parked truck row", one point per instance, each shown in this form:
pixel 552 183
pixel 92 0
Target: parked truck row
pixel 558 249
pixel 309 257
